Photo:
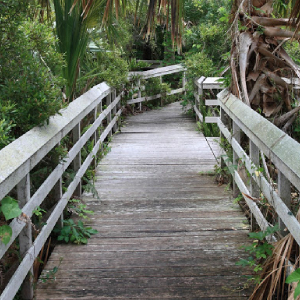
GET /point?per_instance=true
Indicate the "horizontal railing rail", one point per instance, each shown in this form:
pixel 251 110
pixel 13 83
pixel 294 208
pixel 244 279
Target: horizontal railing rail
pixel 102 108
pixel 265 139
pixel 201 84
pixel 21 156
pixel 158 72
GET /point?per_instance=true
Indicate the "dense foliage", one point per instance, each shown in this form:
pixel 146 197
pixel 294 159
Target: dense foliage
pixel 29 86
pixel 42 67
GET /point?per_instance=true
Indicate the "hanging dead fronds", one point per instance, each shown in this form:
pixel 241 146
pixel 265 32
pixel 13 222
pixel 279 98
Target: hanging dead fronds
pixel 111 7
pixel 158 11
pixel 284 260
pixel 275 271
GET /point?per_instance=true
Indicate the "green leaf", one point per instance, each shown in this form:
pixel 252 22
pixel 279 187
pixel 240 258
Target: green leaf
pixel 10 208
pixel 242 262
pixel 5 234
pixel 92 231
pixel 295 276
pixel 297 291
pixel 83 240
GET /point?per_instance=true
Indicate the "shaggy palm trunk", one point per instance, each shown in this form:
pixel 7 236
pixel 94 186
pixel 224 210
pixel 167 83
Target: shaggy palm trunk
pixel 262 76
pixel 259 62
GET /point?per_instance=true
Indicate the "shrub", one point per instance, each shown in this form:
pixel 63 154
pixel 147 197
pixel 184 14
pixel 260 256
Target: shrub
pixel 29 76
pixel 102 66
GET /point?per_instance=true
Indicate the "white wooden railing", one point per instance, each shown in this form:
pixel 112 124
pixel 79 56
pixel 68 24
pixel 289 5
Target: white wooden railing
pixel 200 86
pixel 21 156
pixel 159 72
pixel 265 140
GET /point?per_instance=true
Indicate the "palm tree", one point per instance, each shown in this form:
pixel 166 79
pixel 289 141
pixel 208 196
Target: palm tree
pixel 71 29
pixel 258 59
pixel 74 17
pixel 156 11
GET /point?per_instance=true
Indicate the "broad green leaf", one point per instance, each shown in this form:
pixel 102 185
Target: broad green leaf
pixel 92 231
pixel 10 208
pixel 295 276
pixel 83 240
pixel 5 234
pixel 297 291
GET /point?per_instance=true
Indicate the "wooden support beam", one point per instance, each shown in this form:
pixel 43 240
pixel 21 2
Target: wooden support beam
pixel 108 102
pixel 254 189
pixel 77 160
pixel 284 192
pixel 25 236
pixel 236 133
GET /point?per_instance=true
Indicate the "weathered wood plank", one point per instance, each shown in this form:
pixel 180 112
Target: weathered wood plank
pixel 212 102
pixel 158 72
pixel 165 230
pixel 15 161
pixel 211 119
pixel 213 83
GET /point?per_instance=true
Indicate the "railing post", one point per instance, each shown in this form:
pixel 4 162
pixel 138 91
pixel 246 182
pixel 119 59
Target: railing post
pixel 254 188
pixel 114 110
pixel 284 191
pixel 25 236
pixel 57 190
pixel 99 131
pixel 77 160
pixel 139 93
pixel 96 136
pixel 108 102
pixel 236 132
pixel 222 137
pixel 184 82
pixel 120 118
pixel 161 98
pixel 199 95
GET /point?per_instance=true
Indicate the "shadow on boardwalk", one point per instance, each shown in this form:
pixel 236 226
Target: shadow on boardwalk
pixel 165 231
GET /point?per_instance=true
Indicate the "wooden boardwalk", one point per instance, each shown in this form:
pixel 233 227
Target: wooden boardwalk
pixel 166 231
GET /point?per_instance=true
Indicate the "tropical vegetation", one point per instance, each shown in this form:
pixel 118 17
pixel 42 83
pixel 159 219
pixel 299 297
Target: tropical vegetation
pixel 51 52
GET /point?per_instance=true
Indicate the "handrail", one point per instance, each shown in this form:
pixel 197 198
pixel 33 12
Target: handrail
pixel 158 72
pixel 269 138
pixel 21 156
pixel 265 139
pixel 201 84
pixel 274 144
pixel 26 152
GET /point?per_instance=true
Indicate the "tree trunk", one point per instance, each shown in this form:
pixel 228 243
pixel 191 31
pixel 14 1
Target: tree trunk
pixel 258 60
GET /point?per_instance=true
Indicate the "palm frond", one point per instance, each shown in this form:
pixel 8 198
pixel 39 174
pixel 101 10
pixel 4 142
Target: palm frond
pixel 72 32
pixel 162 9
pixel 157 11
